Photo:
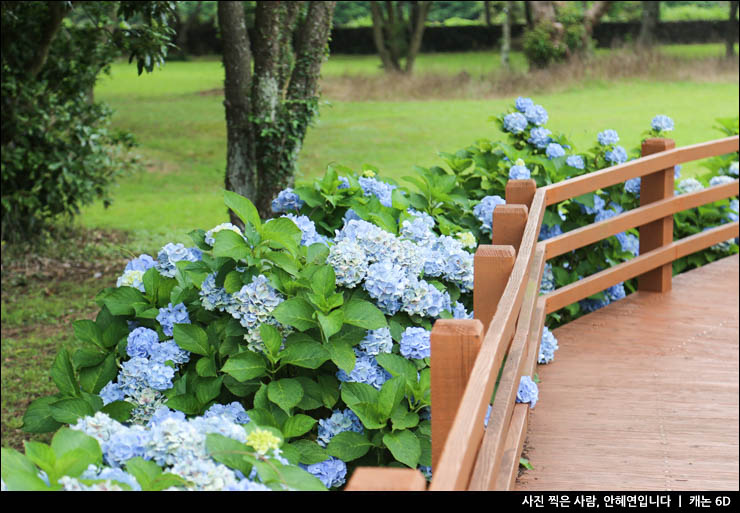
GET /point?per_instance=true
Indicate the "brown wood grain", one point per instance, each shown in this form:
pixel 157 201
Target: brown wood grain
pixel 639 265
pixel 508 225
pixel 386 479
pixel 454 346
pixel 590 182
pixel 643 393
pixel 506 478
pixel 520 192
pixel 591 233
pixel 492 267
pixel 535 334
pixel 458 455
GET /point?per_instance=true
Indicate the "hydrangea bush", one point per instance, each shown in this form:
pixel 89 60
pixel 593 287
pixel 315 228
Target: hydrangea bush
pixel 283 354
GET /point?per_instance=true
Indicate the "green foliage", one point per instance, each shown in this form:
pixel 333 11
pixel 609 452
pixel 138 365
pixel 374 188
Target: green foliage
pixel 548 42
pixel 57 151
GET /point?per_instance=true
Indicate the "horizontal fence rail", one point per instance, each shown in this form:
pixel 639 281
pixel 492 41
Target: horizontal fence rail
pixel 510 312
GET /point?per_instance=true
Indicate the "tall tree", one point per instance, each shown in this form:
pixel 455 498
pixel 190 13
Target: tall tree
pixel 398 34
pixel 269 108
pixel 649 24
pixel 731 33
pixel 506 35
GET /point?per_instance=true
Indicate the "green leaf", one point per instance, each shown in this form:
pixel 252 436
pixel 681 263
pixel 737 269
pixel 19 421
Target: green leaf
pixel 271 338
pixel 87 358
pixel 119 410
pixel 329 390
pixel 93 379
pixel 404 446
pixel 310 452
pixel 18 473
pixel 114 333
pixel 332 323
pixel 317 253
pixel 244 366
pixel 233 282
pixel 75 462
pixel 38 417
pixel 63 374
pixel 208 389
pixel 369 415
pixel 363 314
pixel 348 445
pixel 353 393
pixel 298 425
pixel 67 440
pixel 311 394
pixel 121 299
pixel 293 477
pixel 243 208
pixel 240 389
pixel 230 244
pixel 205 367
pixel 324 281
pixel 229 452
pixel 186 403
pixel 88 331
pixel 397 365
pixel 42 456
pixel 145 472
pixel 391 395
pixel 306 353
pixel 402 418
pixel 192 337
pixel 282 233
pixel 296 312
pixel 342 355
pixel 286 393
pixel 68 411
pixel 524 462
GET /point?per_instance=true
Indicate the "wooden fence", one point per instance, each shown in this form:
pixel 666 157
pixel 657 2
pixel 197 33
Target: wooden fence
pixel 466 355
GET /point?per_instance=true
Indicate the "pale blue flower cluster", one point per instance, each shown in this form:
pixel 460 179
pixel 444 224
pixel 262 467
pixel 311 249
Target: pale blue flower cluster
pixel 615 292
pixel 386 283
pixel 575 161
pixel 377 341
pixel 629 243
pixel 536 114
pixel 331 472
pixel 381 190
pixel 519 173
pixel 343 183
pixel 591 305
pixel 340 421
pixel 213 297
pixel 540 137
pixel 548 232
pixel 459 311
pixel 616 156
pixel 233 411
pixel 367 370
pixel 608 137
pixel 515 123
pixel 308 230
pixel 661 123
pixel 548 346
pixel 349 261
pixel 599 205
pixel 286 201
pixel 111 474
pixel 633 186
pixel 732 215
pixel 484 211
pixel 528 391
pixel 548 279
pixel 209 236
pixel 734 168
pixel 133 274
pixel 419 228
pixel 170 315
pixel 554 150
pixel 141 263
pixel 415 343
pixel 720 180
pixel 172 253
pixel 689 185
pixel 522 104
pixel 252 306
pixel 608 213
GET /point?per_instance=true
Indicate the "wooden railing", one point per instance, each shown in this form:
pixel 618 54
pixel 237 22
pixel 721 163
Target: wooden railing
pixel 466 355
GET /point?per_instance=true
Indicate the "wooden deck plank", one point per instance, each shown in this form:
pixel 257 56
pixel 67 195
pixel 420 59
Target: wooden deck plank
pixel 643 394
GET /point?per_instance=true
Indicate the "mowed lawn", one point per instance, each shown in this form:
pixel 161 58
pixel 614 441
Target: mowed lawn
pixel 177 115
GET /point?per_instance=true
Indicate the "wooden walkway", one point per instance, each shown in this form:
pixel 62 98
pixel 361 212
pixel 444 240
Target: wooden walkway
pixel 643 394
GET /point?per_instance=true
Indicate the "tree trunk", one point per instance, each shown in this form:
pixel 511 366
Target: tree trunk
pixel 506 35
pixel 241 169
pixel 650 18
pixel 487 13
pixel 591 18
pixel 57 12
pixel 389 65
pixel 418 32
pixel 731 34
pixel 184 29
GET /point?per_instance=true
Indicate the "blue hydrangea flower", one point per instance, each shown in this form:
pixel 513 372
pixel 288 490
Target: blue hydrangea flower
pixel 286 201
pixel 689 185
pixel 575 161
pixel 142 263
pixel 367 370
pixel 415 343
pixel 126 444
pixel 340 421
pixel 515 123
pixel 234 411
pixel 548 232
pixel 253 305
pixel 381 190
pixel 349 215
pixel 377 341
pixel 661 123
pixel 732 214
pixel 141 342
pixel 172 253
pixel 633 186
pixel 111 392
pixel 734 168
pixel 536 114
pixel 548 279
pixel 169 351
pixel 484 211
pixel 629 243
pixel 519 173
pixel 528 391
pixel 459 311
pixel 343 183
pixel 554 150
pixel 113 474
pixel 163 413
pixel 422 298
pixel 386 282
pixel 616 156
pixel 308 230
pixel 540 137
pixel 349 262
pixel 488 415
pixel 615 292
pixel 548 346
pixel 677 171
pixel 213 297
pixel 720 180
pixel 170 315
pixel 331 472
pixel 131 278
pixel 599 205
pixel 418 229
pixel 522 104
pixel 608 137
pixel 591 305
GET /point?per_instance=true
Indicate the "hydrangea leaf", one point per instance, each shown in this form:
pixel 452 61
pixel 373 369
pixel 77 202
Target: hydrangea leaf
pixel 342 355
pixel 87 358
pixel 348 446
pixel 19 473
pixel 68 411
pixel 271 337
pixel 88 331
pixel 402 418
pixel 207 389
pixel 323 281
pixel 293 477
pixel 330 324
pixel 306 353
pixel 233 282
pixel 296 312
pixel 119 410
pixel 283 260
pixel 282 233
pixel 390 395
pixel 230 244
pixel 310 452
pixel 191 337
pixel 404 446
pixel 244 366
pixel 42 456
pixel 329 390
pixel 243 208
pixel 240 389
pixel 229 452
pixel 398 366
pixel 286 393
pixel 262 417
pixel 317 253
pixel 93 379
pixel 311 394
pixel 66 440
pixel 38 417
pixel 119 301
pixel 75 462
pixel 63 374
pixel 205 367
pixel 353 393
pixel 369 415
pixel 186 403
pixel 298 425
pixel 363 314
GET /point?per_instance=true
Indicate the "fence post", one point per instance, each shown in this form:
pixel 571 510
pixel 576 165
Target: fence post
pixel 520 192
pixel 654 187
pixel 386 479
pixel 454 347
pixel 508 225
pixel 492 266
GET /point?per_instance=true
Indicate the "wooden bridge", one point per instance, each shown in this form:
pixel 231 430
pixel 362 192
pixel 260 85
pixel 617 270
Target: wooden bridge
pixel 642 395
